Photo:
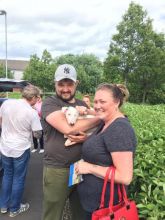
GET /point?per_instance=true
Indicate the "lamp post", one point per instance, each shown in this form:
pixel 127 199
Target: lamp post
pixel 2 12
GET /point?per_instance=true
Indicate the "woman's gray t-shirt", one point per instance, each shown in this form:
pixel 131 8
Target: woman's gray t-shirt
pixel 97 149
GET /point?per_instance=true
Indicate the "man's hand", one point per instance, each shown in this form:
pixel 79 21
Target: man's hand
pixel 82 110
pixel 76 138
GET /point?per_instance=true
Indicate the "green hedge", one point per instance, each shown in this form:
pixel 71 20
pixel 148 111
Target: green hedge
pixel 148 187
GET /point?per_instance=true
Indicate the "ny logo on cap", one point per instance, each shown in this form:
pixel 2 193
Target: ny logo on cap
pixel 66 70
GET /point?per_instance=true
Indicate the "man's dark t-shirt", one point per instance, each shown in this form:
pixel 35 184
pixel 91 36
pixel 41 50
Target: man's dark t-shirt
pixel 56 154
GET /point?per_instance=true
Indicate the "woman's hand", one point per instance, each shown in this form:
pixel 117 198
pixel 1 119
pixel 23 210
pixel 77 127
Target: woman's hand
pixel 83 167
pixel 77 138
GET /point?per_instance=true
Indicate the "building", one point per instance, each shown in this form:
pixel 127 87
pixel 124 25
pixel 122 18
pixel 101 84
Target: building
pixel 16 66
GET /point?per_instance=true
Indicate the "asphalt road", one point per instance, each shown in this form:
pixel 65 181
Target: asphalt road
pixel 33 191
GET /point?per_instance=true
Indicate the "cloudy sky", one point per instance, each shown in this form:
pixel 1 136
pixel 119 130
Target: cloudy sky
pixel 66 26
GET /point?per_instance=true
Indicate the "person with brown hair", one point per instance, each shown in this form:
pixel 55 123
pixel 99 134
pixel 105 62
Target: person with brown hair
pixel 38 143
pixel 113 143
pixel 87 100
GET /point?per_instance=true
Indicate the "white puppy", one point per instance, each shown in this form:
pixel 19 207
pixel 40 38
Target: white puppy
pixel 72 115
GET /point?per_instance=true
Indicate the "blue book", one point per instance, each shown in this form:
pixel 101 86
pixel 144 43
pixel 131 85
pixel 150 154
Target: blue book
pixel 73 177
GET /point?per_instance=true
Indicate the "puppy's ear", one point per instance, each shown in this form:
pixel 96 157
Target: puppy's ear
pixel 64 109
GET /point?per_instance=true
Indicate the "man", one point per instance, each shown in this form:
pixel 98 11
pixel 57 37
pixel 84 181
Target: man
pixel 57 157
pixel 19 120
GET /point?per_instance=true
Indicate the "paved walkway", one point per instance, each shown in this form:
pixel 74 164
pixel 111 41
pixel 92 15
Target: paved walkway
pixel 33 191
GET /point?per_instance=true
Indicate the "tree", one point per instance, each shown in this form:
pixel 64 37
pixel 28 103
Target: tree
pixel 3 72
pixel 92 72
pixel 67 58
pixel 40 72
pixel 89 69
pixel 136 55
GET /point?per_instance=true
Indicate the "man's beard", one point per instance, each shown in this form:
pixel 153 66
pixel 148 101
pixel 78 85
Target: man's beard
pixel 66 99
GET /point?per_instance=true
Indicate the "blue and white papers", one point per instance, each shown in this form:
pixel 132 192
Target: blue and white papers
pixel 73 177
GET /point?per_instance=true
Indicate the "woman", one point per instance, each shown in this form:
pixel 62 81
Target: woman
pixel 86 99
pixel 113 143
pixel 36 145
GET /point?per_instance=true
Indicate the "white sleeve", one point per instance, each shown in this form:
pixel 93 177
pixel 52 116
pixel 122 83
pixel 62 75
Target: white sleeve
pixel 36 124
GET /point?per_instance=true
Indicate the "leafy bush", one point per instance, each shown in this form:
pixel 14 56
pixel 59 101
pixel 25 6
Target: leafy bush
pixel 148 187
pixel 157 96
pixel 14 95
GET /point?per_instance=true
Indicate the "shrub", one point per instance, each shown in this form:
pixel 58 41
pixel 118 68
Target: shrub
pixel 148 187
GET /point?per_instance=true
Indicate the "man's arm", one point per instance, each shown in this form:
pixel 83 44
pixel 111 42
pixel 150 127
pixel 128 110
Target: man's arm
pixel 57 120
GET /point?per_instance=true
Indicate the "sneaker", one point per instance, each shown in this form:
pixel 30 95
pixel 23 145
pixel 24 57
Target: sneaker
pixel 23 208
pixel 34 150
pixel 41 151
pixel 3 210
